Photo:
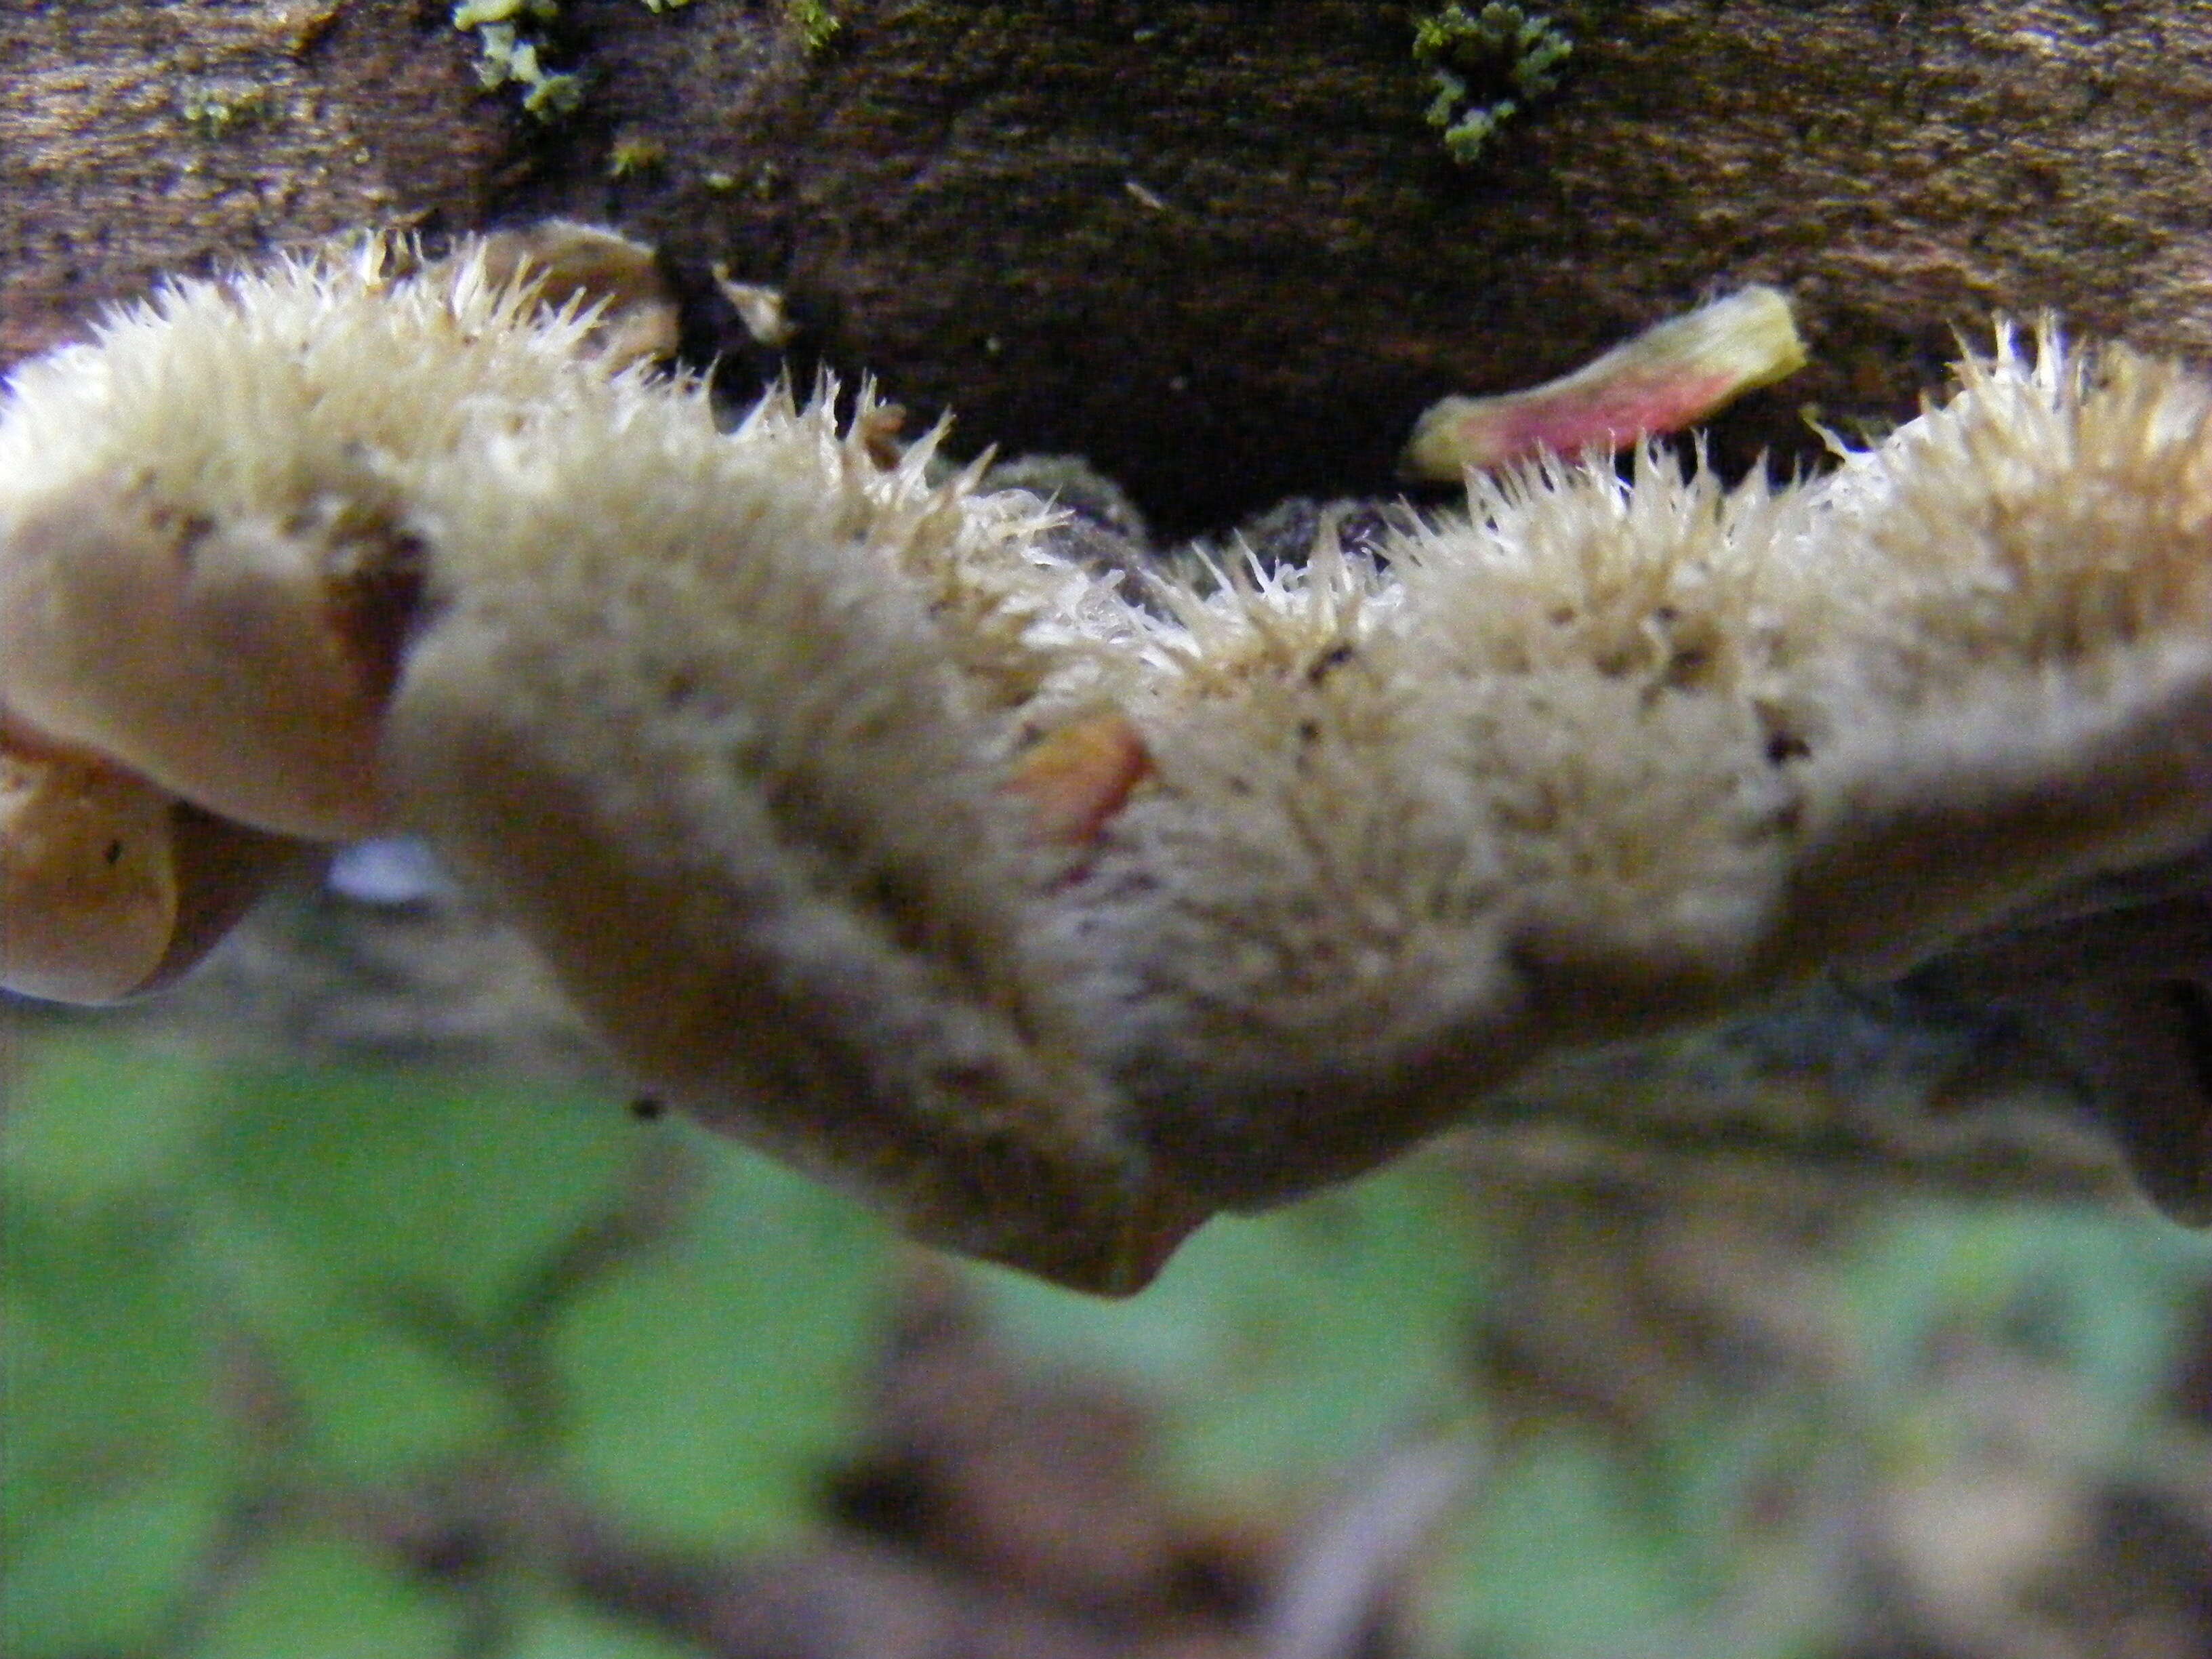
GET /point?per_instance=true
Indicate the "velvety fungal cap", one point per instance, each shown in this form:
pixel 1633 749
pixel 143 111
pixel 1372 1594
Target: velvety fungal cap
pixel 204 551
pixel 1053 901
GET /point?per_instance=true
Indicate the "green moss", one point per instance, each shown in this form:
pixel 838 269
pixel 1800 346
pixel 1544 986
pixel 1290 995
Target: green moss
pixel 215 109
pixel 633 155
pixel 1483 67
pixel 816 23
pixel 510 49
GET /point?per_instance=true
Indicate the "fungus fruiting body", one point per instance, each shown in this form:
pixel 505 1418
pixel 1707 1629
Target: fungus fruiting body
pixel 1054 905
pixel 87 849
pixel 1671 376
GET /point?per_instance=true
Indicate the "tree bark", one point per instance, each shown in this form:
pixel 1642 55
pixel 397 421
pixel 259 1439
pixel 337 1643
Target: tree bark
pixel 1212 246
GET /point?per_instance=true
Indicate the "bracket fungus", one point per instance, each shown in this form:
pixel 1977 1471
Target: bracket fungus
pixel 1056 911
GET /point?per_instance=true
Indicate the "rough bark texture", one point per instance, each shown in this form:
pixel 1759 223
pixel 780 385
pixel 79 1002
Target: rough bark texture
pixel 139 139
pixel 1211 245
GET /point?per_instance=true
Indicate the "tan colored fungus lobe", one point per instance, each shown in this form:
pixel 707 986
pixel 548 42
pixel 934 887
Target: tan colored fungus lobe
pixel 87 878
pixel 210 561
pixel 634 317
pixel 715 739
pixel 243 662
pixel 1610 758
pixel 109 885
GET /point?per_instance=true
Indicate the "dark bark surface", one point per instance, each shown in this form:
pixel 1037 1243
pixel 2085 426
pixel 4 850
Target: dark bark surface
pixel 1211 245
pixel 137 139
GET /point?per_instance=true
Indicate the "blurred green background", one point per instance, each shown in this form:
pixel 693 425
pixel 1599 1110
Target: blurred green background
pixel 397 1362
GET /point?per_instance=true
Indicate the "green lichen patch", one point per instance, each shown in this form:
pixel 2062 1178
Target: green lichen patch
pixel 511 48
pixel 1483 67
pixel 633 154
pixel 816 23
pixel 215 109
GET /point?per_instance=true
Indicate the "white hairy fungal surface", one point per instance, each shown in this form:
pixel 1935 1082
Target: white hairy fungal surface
pixel 875 826
pixel 1607 755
